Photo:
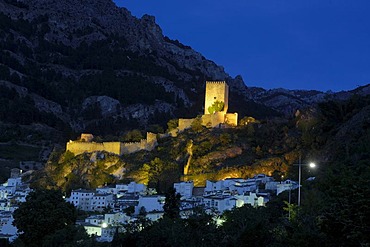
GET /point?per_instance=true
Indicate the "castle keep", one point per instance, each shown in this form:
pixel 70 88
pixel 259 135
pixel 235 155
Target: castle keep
pixel 216 92
pixel 85 144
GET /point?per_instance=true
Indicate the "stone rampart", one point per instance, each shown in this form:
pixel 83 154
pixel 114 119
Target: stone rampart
pixel 207 120
pixel 119 148
pixel 185 123
pixel 231 119
pixel 131 147
pixel 78 147
pixel 217 119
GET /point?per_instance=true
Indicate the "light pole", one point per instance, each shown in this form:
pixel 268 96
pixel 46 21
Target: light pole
pixel 312 165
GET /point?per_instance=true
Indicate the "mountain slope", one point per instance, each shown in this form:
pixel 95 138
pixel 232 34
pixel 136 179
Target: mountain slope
pixel 95 67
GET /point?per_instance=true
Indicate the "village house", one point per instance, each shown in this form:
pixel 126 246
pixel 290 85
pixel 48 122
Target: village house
pixel 185 189
pixel 82 198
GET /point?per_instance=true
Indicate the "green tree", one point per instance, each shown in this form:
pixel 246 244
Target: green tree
pixel 196 125
pixel 71 236
pixel 217 106
pixel 44 213
pixel 172 204
pixel 172 124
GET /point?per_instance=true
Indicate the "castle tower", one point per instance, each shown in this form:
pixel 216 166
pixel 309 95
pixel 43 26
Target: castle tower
pixel 216 91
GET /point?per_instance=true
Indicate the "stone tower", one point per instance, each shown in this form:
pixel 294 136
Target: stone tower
pixel 216 91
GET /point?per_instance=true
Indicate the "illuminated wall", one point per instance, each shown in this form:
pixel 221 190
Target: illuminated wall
pixel 185 123
pixel 119 148
pixel 216 91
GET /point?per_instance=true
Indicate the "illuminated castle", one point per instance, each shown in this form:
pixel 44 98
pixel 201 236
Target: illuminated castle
pixel 215 108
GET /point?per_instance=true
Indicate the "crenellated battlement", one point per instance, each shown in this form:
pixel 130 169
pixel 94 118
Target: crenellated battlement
pixel 215 82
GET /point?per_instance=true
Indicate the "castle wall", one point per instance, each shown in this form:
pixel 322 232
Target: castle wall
pixel 78 147
pixel 207 120
pixel 119 148
pixel 112 147
pixel 131 147
pixel 217 119
pixel 216 91
pixel 231 119
pixel 86 137
pixel 185 123
pixel 151 138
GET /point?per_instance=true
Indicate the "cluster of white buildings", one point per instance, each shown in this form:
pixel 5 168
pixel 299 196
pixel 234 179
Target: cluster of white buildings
pixel 12 193
pixel 112 207
pixel 216 197
pixel 219 196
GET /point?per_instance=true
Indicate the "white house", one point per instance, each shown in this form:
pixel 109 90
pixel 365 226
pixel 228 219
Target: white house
pixel 286 185
pixel 6 225
pixel 95 219
pixel 13 182
pixel 185 189
pixel 81 199
pixel 221 203
pixel 214 186
pixel 92 229
pixel 114 219
pixel 150 203
pixel 136 188
pixel 99 202
pixel 280 187
pixel 252 199
pixel 230 184
pixel 106 190
pixel 244 187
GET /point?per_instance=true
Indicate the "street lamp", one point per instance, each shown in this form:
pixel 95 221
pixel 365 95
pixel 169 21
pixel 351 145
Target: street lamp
pixel 312 165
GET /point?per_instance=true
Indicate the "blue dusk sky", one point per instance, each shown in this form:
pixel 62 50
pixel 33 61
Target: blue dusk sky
pixel 293 44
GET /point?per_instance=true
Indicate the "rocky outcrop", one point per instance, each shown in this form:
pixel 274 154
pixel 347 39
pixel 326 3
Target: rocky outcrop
pixel 289 101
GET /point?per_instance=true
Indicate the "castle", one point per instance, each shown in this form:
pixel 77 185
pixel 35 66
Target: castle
pixel 215 115
pixel 217 93
pixel 86 144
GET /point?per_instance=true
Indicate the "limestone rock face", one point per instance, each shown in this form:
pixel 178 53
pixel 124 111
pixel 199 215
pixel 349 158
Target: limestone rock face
pixel 289 101
pixel 108 105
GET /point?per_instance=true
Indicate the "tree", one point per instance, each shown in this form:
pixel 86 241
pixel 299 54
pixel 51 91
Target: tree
pixel 196 125
pixel 44 213
pixel 172 124
pixel 172 204
pixel 217 106
pixel 72 235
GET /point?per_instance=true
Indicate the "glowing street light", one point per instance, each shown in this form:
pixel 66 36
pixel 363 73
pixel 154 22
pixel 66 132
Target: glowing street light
pixel 312 165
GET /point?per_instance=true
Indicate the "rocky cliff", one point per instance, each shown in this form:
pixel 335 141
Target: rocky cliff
pixel 91 66
pixel 75 58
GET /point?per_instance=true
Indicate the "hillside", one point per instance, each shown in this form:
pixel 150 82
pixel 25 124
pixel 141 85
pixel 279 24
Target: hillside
pixel 93 67
pixel 321 134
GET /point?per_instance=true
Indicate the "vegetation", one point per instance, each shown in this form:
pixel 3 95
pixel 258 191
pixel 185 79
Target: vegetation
pixel 217 106
pixel 43 214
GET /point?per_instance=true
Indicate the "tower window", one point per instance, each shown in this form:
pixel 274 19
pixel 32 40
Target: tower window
pixel 214 97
